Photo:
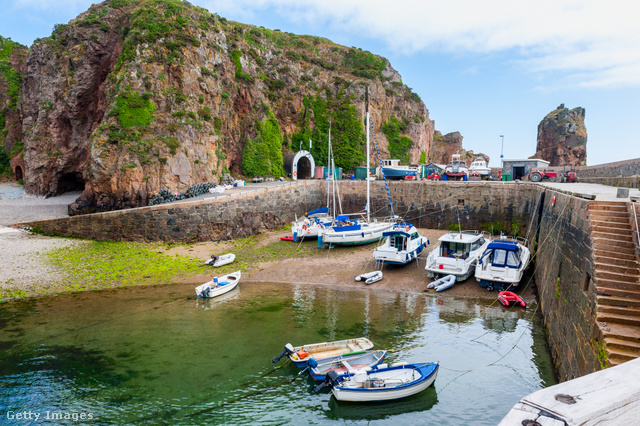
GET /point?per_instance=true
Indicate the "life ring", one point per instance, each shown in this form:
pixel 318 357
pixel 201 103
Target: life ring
pixel 304 227
pixel 295 173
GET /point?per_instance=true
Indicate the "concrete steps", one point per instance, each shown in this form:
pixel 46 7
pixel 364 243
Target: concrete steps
pixel 617 280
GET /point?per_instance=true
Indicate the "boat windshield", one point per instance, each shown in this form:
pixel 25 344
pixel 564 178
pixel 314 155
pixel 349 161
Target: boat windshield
pixel 505 258
pixel 453 249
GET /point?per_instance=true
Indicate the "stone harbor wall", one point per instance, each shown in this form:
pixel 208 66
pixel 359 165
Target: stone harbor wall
pixel 215 219
pixel 566 292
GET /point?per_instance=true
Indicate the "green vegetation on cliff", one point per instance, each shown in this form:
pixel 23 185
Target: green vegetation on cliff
pixel 10 86
pixel 398 145
pixel 347 132
pixel 262 156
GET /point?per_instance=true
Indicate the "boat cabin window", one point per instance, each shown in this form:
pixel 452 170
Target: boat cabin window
pixel 399 242
pixel 477 244
pixel 453 249
pixel 414 236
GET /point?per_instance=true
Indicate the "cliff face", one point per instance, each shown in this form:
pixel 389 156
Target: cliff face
pixel 138 95
pixel 13 61
pixel 562 137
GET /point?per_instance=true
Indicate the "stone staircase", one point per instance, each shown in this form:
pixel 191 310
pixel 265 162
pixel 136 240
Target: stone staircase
pixel 617 280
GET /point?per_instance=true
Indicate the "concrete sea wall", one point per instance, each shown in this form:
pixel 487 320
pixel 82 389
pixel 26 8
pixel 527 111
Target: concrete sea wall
pixel 563 265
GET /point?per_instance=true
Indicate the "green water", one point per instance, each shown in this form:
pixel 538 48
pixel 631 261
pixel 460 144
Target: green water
pixel 156 355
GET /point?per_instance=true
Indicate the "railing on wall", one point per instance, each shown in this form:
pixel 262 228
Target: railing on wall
pixel 635 217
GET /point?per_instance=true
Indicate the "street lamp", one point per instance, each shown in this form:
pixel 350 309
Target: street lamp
pixel 502 147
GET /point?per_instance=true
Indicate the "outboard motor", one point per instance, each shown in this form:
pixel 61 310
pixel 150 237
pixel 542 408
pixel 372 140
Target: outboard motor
pixel 288 350
pixel 332 379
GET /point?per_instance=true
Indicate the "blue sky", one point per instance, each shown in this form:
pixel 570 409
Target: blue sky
pixel 484 69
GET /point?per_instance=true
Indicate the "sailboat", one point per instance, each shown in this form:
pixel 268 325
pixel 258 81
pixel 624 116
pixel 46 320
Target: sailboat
pixel 314 221
pixel 349 231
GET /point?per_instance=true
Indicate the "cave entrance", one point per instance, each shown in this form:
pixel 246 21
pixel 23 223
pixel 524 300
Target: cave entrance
pixel 18 173
pixel 69 182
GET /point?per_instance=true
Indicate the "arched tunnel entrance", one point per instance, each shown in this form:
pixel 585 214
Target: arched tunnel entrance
pixel 299 165
pixel 69 182
pixel 18 173
pixel 305 171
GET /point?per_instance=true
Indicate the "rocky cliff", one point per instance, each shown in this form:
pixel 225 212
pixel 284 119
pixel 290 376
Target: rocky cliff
pixel 137 95
pixel 13 61
pixel 444 146
pixel 562 137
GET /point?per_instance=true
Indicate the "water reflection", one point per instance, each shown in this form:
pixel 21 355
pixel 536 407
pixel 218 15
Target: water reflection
pixel 157 354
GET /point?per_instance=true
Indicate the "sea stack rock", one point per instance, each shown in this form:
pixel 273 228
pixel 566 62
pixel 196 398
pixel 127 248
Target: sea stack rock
pixel 562 137
pixel 444 146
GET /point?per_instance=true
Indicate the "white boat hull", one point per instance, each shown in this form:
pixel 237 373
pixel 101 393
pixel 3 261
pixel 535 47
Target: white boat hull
pixel 370 277
pixel 443 283
pixel 225 284
pixel 225 259
pixel 320 351
pixel 502 277
pixel 368 233
pixel 355 392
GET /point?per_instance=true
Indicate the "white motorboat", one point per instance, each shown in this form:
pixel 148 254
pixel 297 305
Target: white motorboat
pixel 457 253
pixel 217 261
pixel 370 277
pixel 479 166
pixel 381 383
pixel 401 245
pixel 300 355
pixel 443 283
pixel 456 170
pixel 502 264
pixel 219 285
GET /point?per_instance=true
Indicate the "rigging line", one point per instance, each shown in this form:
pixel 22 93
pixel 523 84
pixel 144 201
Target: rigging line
pixel 516 342
pixel 382 170
pixel 481 313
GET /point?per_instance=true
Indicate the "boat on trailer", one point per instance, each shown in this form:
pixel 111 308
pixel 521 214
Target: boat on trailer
pixel 219 285
pixel 401 244
pixel 456 170
pixel 344 364
pixel 456 253
pixel 392 170
pixel 300 355
pixel 502 264
pixel 381 383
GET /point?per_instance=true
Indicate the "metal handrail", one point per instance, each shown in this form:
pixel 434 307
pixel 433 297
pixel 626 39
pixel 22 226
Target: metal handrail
pixel 635 216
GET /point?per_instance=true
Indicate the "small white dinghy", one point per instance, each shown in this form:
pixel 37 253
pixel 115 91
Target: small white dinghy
pixel 443 283
pixel 225 259
pixel 370 277
pixel 219 285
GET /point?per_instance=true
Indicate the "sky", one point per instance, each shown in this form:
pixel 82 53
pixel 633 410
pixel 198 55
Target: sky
pixel 483 68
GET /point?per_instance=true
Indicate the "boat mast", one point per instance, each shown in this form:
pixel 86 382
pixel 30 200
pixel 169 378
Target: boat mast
pixel 368 170
pixel 329 165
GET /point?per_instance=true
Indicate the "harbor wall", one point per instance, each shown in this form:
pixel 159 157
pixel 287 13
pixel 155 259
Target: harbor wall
pixel 222 218
pixel 564 268
pixel 563 265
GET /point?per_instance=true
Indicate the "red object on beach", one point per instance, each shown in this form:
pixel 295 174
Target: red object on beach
pixel 509 298
pixel 287 238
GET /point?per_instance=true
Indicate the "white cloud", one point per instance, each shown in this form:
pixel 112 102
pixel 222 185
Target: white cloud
pixel 596 41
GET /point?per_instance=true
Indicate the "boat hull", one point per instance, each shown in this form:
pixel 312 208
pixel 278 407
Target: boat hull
pixel 225 284
pixel 343 364
pixel 428 374
pixel 368 233
pixel 322 351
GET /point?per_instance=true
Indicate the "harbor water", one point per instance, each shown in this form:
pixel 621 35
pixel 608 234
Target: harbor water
pixel 158 355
